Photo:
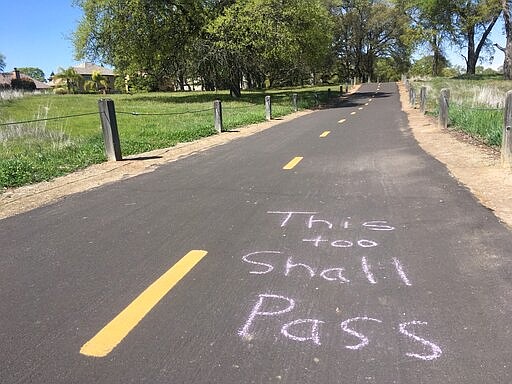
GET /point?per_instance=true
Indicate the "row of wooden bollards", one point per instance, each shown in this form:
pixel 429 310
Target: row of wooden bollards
pixel 111 135
pixel 443 119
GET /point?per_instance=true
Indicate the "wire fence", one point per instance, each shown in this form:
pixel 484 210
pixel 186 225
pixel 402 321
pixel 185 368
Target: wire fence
pixel 33 150
pixel 48 119
pixel 483 123
pixel 135 113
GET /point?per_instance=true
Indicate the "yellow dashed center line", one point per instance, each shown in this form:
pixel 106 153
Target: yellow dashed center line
pixel 360 108
pixel 353 113
pixel 342 121
pixel 325 133
pixel 293 163
pixel 115 331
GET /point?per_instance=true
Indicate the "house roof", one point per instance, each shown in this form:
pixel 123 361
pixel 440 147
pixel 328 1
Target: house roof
pixel 89 68
pixel 5 79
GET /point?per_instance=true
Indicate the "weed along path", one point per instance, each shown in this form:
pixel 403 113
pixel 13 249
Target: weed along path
pixel 327 249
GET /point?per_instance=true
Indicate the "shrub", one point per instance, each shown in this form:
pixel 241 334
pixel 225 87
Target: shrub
pixel 23 83
pixel 60 91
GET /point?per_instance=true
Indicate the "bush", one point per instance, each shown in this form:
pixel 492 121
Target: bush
pixel 23 83
pixel 60 91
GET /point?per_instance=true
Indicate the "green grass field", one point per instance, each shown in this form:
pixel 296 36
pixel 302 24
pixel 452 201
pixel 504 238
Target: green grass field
pixel 476 104
pixel 42 150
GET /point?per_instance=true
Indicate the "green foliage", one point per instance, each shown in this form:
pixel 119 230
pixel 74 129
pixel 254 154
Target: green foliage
pixel 71 78
pixel 161 44
pixel 431 23
pixel 486 124
pixel 450 72
pixel 151 37
pixel 386 70
pixel 270 39
pixel 367 31
pixel 97 83
pixel 423 66
pixel 23 83
pixel 33 72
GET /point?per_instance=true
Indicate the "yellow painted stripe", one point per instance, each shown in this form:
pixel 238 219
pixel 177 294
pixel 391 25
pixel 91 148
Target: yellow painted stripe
pixel 324 134
pixel 353 113
pixel 342 121
pixel 115 331
pixel 293 163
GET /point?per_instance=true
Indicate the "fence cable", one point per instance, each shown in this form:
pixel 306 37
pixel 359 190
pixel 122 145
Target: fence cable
pixel 133 113
pixel 48 119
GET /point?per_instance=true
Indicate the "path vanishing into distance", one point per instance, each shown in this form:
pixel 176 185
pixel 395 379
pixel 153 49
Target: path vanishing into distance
pixel 327 249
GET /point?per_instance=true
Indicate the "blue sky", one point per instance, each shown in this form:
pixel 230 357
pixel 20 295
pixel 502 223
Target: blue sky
pixel 40 36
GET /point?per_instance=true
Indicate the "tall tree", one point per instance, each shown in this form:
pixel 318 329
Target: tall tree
pixel 33 72
pixel 473 22
pixel 431 21
pixel 507 49
pixel 367 31
pixel 145 36
pixel 279 40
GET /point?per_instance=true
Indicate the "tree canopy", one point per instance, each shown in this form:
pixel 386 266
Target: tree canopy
pixel 33 72
pixel 255 43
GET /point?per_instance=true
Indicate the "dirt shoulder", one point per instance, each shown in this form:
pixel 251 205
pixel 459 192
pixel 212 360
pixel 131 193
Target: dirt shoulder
pixel 475 166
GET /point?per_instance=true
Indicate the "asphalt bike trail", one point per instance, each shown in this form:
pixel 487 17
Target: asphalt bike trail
pixel 328 249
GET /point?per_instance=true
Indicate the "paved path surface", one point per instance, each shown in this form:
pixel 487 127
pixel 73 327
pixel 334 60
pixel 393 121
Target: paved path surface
pixel 364 262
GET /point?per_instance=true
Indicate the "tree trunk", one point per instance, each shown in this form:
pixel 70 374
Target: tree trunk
pixel 235 90
pixel 507 64
pixel 474 52
pixel 472 58
pixel 436 60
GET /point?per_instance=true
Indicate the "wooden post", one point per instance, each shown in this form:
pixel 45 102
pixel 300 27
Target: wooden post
pixel 294 102
pixel 268 108
pixel 317 100
pixel 109 127
pixel 423 99
pixel 412 97
pixel 506 142
pixel 328 93
pixel 341 90
pixel 217 114
pixel 444 100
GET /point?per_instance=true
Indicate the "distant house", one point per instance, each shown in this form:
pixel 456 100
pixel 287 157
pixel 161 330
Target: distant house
pixel 7 78
pixel 86 70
